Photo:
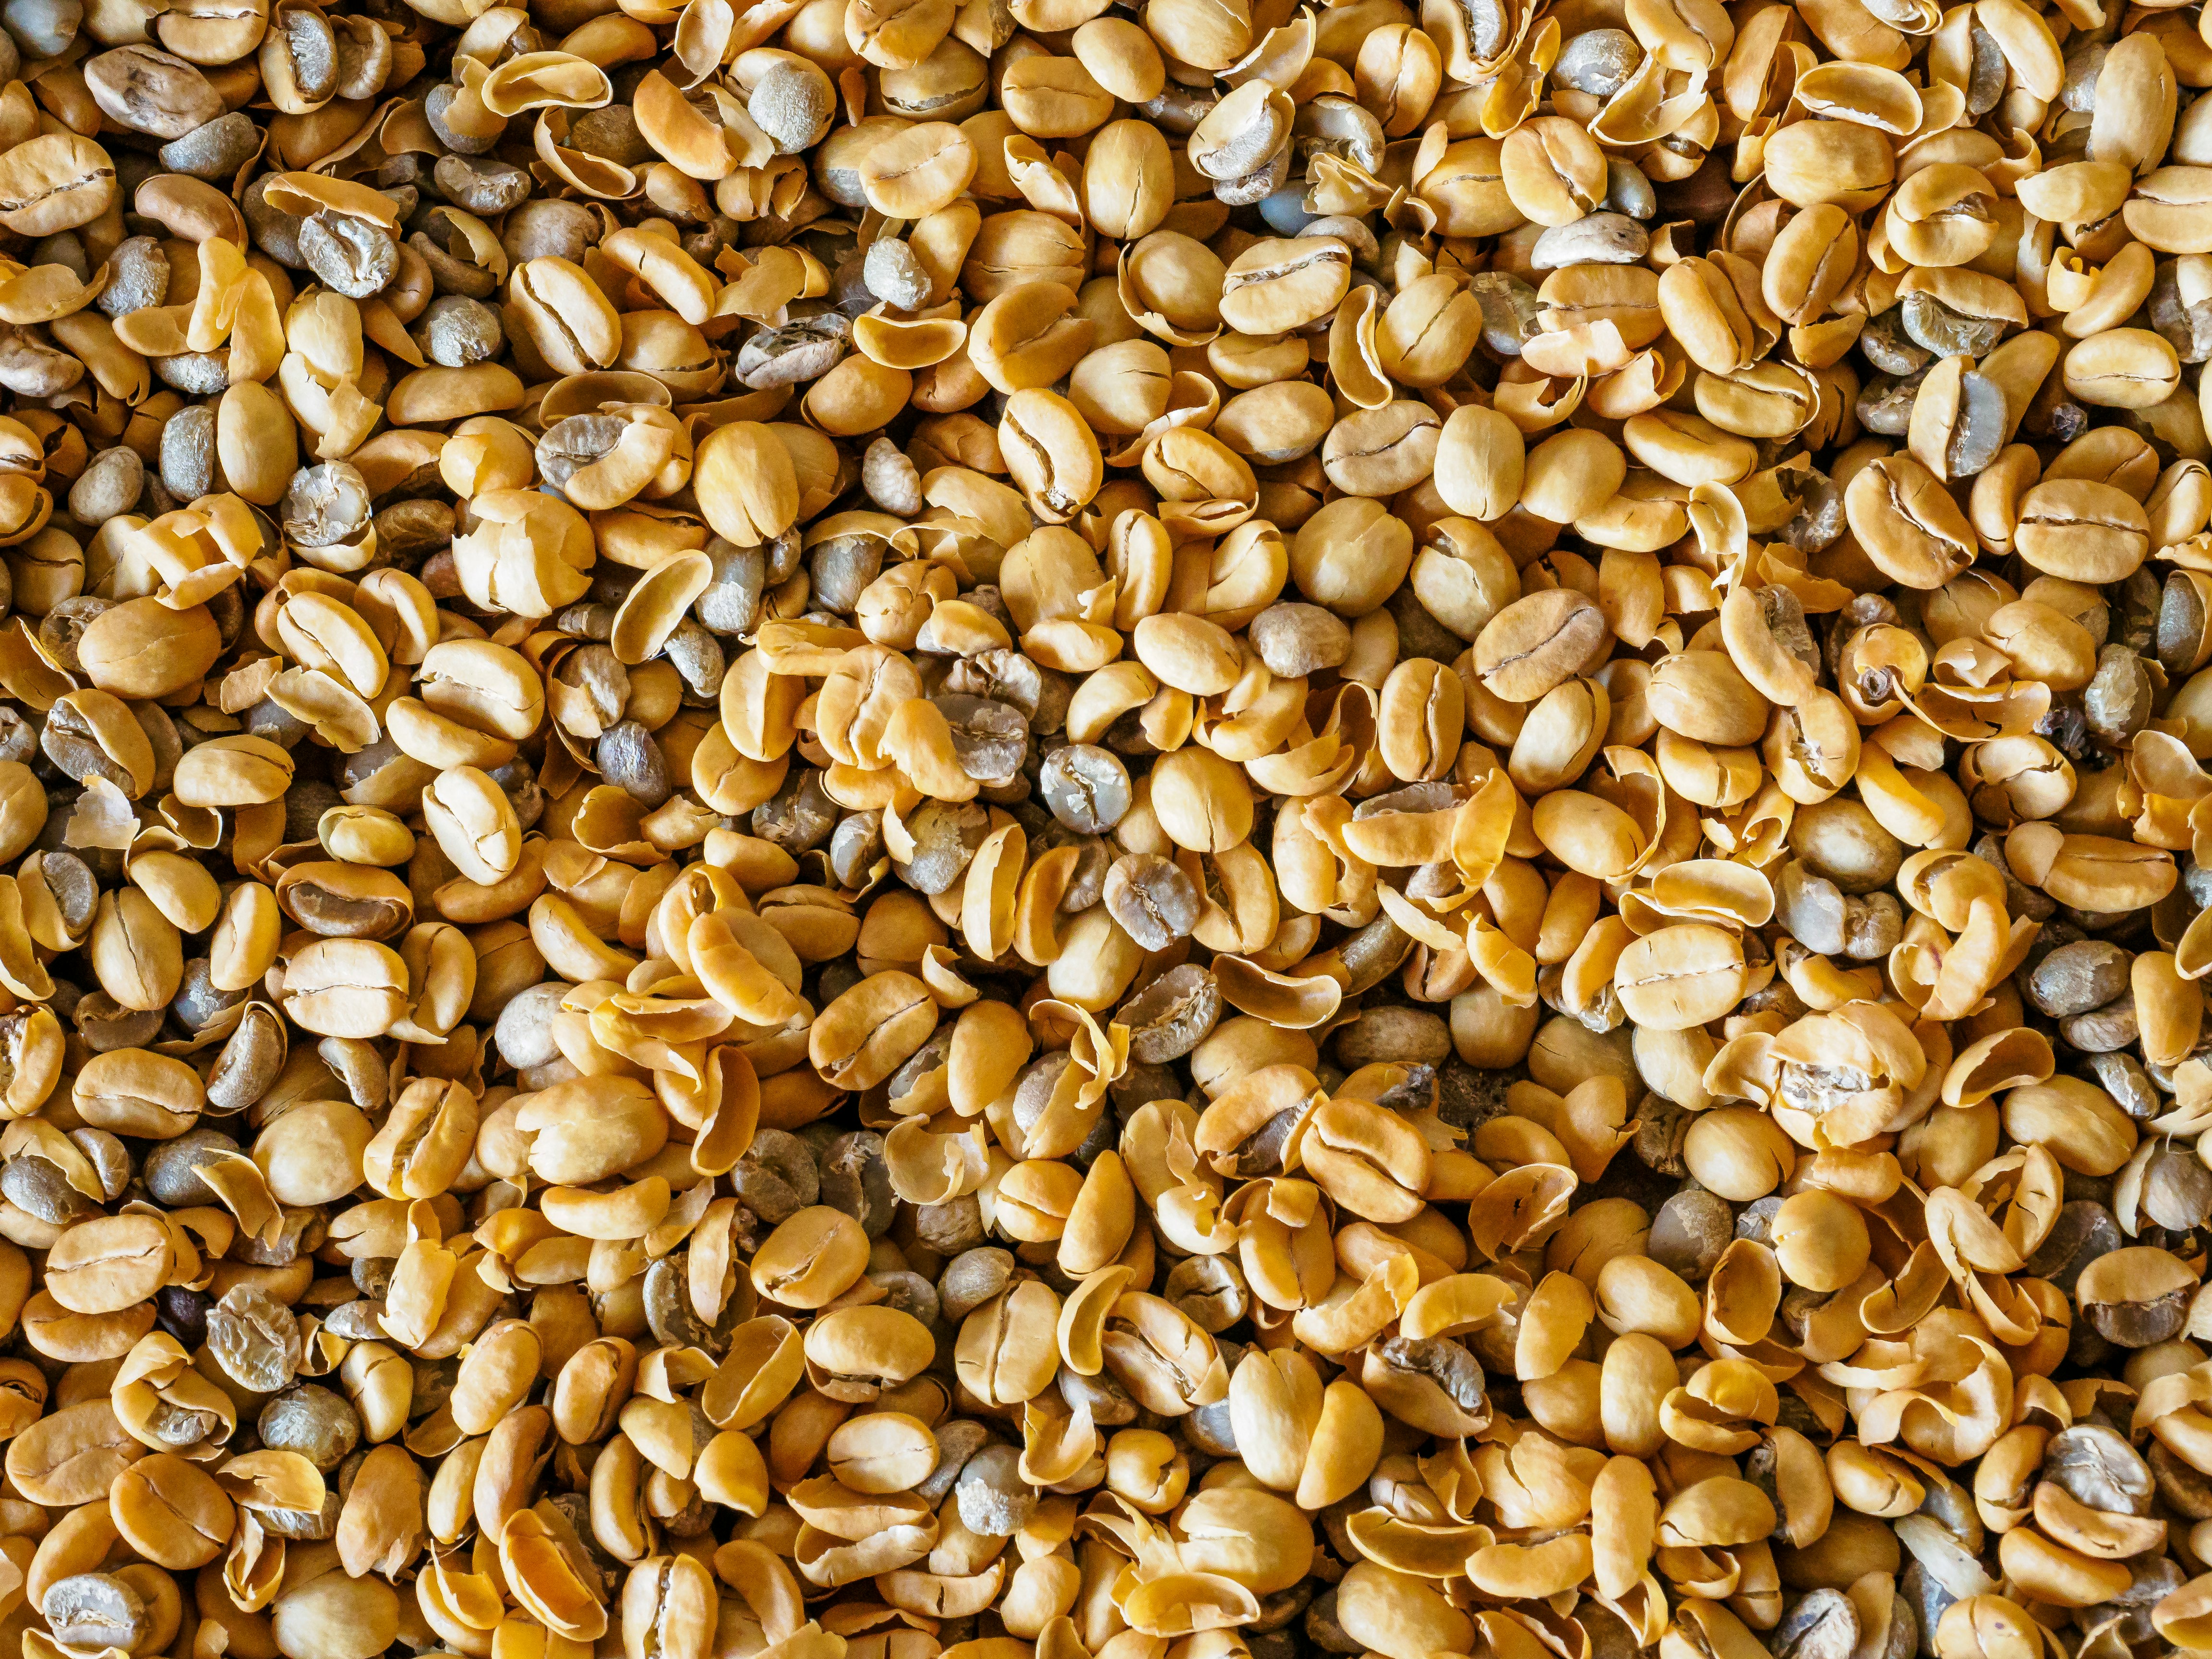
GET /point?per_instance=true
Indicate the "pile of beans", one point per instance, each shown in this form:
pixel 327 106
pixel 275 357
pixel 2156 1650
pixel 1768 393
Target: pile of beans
pixel 1105 829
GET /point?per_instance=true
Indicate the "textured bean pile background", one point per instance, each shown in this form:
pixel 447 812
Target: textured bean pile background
pixel 885 828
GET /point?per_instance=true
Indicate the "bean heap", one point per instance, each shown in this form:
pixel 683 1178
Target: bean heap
pixel 1045 829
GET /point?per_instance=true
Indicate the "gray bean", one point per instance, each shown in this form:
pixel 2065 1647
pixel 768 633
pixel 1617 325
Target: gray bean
pixel 1086 787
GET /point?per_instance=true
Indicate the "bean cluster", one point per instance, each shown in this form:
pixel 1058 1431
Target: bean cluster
pixel 1105 829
